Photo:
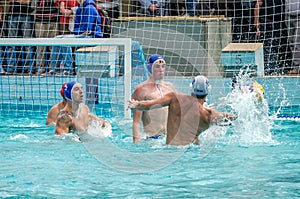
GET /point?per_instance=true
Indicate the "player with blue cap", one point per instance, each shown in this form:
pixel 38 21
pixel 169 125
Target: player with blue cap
pixel 154 59
pixel 76 116
pixel 55 109
pixel 68 90
pixel 188 116
pixel 153 122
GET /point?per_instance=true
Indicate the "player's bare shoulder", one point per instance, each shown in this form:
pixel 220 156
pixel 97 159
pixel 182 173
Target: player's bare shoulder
pixel 140 91
pixel 169 86
pixel 85 107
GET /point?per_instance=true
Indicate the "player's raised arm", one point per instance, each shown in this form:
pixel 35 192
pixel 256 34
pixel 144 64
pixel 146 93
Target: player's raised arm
pixel 151 104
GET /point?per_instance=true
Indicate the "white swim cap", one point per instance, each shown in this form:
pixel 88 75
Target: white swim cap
pixel 200 86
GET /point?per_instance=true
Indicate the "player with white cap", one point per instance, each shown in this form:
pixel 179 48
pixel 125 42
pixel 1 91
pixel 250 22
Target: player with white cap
pixel 187 115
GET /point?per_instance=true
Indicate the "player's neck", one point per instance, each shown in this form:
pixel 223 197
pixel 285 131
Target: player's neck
pixel 64 102
pixel 155 81
pixel 73 106
pixel 201 100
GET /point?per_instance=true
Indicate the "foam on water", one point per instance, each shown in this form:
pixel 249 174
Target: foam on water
pixel 95 129
pixel 253 124
pixel 209 139
pixel 69 136
pixel 19 137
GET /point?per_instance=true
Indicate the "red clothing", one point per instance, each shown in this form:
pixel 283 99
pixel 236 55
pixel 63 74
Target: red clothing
pixel 68 5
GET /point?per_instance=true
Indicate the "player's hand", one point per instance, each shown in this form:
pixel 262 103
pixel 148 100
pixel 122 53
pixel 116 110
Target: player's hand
pixel 132 104
pixel 231 116
pixel 107 125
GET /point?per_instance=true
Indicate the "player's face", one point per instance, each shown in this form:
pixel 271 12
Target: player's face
pixel 77 93
pixel 158 70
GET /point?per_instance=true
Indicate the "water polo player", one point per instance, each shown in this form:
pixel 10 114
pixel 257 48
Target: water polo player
pixel 76 115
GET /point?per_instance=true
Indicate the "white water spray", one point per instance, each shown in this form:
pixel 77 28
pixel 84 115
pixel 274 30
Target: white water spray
pixel 253 124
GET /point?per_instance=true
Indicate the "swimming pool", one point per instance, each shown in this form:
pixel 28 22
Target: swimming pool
pixel 36 164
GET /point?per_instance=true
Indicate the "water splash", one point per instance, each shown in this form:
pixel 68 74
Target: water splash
pixel 209 139
pixel 95 129
pixel 69 136
pixel 19 137
pixel 253 124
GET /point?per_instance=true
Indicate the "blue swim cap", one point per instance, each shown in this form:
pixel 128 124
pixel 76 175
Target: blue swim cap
pixel 68 90
pixel 62 90
pixel 200 86
pixel 152 59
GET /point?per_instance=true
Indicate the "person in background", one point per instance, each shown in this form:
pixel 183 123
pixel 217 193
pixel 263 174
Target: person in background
pixel 202 7
pixel 177 8
pixel 206 7
pixel 153 121
pixel 191 7
pixel 242 13
pixel 20 23
pixel 76 116
pixel 87 25
pixel 46 26
pixel 292 21
pixel 2 72
pixel 55 109
pixel 187 114
pixel 66 8
pixel 110 6
pixel 154 8
pixel 269 23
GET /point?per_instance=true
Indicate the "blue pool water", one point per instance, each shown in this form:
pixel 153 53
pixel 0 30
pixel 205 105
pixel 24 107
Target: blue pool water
pixel 230 164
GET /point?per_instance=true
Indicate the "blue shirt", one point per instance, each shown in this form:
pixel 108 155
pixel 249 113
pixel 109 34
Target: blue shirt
pixel 88 20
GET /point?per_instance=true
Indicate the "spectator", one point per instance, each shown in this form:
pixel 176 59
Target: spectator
pixel 292 11
pixel 20 20
pixel 206 7
pixel 87 25
pixel 242 20
pixel 87 20
pixel 110 6
pixel 191 7
pixel 46 26
pixel 154 8
pixel 66 8
pixel 177 8
pixel 269 22
pixel 2 72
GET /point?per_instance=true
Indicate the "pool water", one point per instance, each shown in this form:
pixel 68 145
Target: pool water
pixel 35 163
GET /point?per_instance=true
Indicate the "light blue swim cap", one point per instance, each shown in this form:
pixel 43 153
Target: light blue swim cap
pixel 152 59
pixel 200 86
pixel 68 90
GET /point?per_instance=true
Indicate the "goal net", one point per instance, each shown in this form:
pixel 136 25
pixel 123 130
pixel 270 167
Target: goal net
pixel 215 38
pixel 103 66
